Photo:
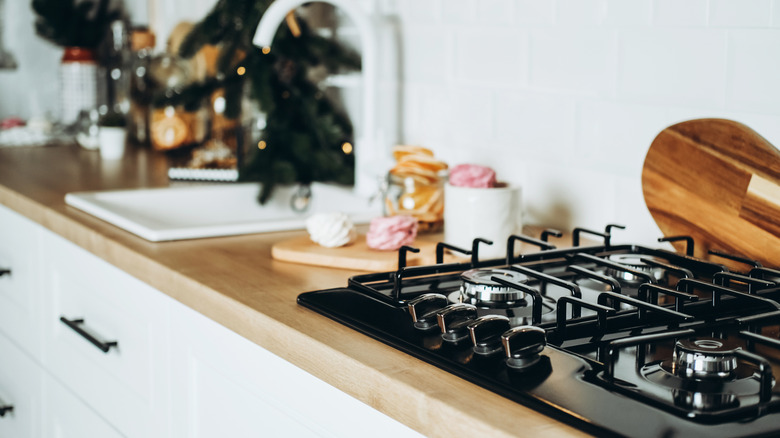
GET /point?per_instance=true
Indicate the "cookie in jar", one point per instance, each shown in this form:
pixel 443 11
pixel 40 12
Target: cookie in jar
pixel 415 187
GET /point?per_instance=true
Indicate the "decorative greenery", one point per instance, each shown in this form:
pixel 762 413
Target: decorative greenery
pixel 304 133
pixel 75 23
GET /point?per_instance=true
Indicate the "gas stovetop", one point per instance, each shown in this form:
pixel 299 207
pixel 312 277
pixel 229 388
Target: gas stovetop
pixel 613 339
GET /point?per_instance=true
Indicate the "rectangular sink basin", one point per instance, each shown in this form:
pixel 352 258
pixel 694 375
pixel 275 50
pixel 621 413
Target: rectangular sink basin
pixel 189 212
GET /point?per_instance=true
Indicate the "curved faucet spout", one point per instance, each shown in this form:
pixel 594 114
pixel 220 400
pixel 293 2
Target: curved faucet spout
pixel 368 146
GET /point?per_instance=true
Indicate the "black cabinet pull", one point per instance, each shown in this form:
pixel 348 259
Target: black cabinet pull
pixel 5 271
pixel 76 326
pixel 5 409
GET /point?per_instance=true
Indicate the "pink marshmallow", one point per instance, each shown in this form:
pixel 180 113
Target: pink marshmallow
pixel 472 175
pixel 391 233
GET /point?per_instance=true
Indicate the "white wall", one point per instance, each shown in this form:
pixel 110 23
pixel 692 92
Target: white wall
pixel 565 96
pixel 31 89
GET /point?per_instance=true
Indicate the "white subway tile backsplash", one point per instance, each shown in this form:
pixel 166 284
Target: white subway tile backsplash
pixel 427 47
pixel 496 12
pixel 534 12
pixel 446 117
pixel 740 13
pixel 673 67
pixel 583 60
pixel 459 12
pixel 615 137
pixel 683 13
pixel 568 196
pixel 632 213
pixel 535 125
pixel 416 11
pixel 491 56
pixel 580 12
pixel 622 13
pixel 775 6
pixel 753 71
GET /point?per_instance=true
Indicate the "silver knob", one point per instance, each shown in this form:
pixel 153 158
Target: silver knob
pixel 522 346
pixel 485 333
pixel 423 310
pixel 454 319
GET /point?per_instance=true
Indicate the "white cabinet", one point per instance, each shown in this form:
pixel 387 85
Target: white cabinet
pixel 20 242
pixel 226 385
pixel 171 373
pixel 21 392
pixel 128 382
pixel 66 416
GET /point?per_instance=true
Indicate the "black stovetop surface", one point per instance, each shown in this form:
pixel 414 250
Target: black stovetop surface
pixel 610 378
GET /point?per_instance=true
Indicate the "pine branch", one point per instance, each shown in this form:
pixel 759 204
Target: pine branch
pixel 68 23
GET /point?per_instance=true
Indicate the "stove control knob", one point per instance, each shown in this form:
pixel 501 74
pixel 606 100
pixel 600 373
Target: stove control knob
pixel 423 310
pixel 522 346
pixel 485 333
pixel 454 320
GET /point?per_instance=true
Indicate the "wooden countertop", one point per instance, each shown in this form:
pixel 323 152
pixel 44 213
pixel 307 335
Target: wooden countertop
pixel 234 281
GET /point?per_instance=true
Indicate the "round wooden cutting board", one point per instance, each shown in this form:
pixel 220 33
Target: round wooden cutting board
pixel 717 181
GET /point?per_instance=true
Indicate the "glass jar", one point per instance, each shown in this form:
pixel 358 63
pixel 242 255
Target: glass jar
pixel 416 196
pixel 171 125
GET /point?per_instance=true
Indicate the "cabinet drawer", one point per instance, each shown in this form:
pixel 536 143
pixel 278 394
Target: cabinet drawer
pixel 65 416
pixel 19 291
pixel 125 383
pixel 20 392
pixel 225 385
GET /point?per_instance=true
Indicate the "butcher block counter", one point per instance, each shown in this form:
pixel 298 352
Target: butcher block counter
pixel 235 282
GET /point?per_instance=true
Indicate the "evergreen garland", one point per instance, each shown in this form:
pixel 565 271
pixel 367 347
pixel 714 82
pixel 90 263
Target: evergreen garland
pixel 304 133
pixel 74 23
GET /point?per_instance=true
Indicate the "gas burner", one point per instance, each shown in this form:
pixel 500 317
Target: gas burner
pixel 492 298
pixel 634 261
pixel 478 287
pixel 705 358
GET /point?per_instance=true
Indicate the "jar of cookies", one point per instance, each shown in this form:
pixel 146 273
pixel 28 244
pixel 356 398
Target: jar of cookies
pixel 415 187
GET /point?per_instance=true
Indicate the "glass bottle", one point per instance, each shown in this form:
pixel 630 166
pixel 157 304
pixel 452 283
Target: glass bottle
pixel 141 46
pixel 78 83
pixel 118 65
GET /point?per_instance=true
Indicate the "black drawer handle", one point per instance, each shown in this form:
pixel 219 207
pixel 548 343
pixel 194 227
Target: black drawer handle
pixel 5 408
pixel 5 271
pixel 76 326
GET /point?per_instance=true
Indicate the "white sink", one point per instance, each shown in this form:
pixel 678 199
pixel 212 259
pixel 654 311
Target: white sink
pixel 189 212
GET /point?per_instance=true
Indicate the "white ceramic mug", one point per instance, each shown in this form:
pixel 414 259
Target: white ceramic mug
pixel 491 213
pixel 112 142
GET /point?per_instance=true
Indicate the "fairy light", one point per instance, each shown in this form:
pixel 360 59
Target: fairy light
pixel 266 50
pixel 346 147
pixel 261 145
pixel 241 70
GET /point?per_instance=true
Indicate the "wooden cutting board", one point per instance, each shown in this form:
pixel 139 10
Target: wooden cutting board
pixel 357 256
pixel 719 182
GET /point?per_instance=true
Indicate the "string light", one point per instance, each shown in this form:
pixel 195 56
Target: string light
pixel 346 147
pixel 241 70
pixel 261 145
pixel 266 50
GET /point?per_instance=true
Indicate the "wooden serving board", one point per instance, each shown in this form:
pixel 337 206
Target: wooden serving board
pixel 719 182
pixel 356 256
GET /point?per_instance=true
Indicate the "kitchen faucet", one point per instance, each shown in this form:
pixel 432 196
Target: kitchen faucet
pixel 371 147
